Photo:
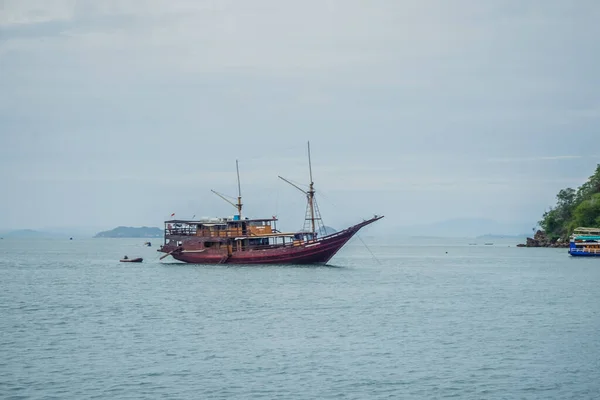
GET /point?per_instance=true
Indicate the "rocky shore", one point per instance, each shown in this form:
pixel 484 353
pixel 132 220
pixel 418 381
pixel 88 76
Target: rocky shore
pixel 541 240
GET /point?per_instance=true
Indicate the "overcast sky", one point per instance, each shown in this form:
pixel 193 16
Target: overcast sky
pixel 121 112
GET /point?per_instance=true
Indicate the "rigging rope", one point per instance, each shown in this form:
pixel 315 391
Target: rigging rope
pixel 376 259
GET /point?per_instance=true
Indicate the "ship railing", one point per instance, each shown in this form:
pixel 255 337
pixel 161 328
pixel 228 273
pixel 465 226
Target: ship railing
pixel 273 246
pixel 187 231
pixel 218 234
pixel 202 233
pixel 295 243
pixel 181 231
pixel 587 251
pixel 311 241
pixel 270 246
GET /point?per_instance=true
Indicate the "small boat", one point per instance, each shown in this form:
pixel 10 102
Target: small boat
pixel 585 242
pixel 148 244
pixel 139 259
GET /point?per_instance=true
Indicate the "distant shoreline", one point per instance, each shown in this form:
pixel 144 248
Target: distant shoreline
pixel 131 232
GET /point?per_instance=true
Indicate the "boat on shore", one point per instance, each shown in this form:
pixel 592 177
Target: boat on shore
pixel 241 240
pixel 585 242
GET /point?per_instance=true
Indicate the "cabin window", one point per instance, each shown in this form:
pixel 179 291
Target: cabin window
pixel 258 242
pixel 258 223
pixel 208 244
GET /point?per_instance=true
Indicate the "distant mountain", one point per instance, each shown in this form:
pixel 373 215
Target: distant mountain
pixel 31 234
pixel 521 236
pixel 466 227
pixel 131 232
pixel 75 231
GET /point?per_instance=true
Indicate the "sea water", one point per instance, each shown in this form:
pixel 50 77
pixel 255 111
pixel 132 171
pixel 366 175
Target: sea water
pixel 420 318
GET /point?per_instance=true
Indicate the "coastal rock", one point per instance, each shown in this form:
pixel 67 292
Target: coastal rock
pixel 540 239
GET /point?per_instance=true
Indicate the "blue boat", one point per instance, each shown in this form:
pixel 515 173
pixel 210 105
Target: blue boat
pixel 585 242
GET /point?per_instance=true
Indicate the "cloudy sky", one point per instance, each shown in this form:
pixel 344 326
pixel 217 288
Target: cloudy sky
pixel 121 112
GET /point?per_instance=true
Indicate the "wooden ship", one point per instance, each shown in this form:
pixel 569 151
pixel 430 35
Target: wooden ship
pixel 240 240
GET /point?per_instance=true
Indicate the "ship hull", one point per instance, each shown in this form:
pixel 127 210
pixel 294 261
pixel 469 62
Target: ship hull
pixel 317 252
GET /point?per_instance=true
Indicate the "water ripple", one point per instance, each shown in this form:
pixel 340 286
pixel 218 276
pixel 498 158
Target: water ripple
pixel 483 323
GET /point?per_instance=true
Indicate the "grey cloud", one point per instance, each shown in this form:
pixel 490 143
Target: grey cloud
pixel 487 105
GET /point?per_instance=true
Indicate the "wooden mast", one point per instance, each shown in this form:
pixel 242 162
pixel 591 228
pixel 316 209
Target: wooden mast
pixel 239 202
pixel 311 194
pixel 237 205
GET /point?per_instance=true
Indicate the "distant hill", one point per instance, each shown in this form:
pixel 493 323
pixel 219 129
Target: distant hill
pixel 466 227
pixel 131 232
pixel 31 234
pixel 521 236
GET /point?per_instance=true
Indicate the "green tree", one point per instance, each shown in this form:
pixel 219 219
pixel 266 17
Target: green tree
pixel 592 186
pixel 587 213
pixel 551 224
pixel 574 208
pixel 566 198
pixel 555 222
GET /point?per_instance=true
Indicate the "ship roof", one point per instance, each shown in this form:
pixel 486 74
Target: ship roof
pixel 217 221
pixel 265 235
pixel 584 230
pixel 187 221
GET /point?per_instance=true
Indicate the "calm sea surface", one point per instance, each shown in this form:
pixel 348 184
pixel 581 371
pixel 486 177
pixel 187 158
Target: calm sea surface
pixel 477 322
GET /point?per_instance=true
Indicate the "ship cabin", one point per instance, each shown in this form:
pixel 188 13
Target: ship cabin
pixel 241 234
pixel 585 241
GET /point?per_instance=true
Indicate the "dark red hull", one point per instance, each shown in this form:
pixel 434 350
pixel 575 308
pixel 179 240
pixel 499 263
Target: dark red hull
pixel 317 252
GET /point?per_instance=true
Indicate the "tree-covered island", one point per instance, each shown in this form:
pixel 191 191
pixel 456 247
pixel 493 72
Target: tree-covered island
pixel 573 209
